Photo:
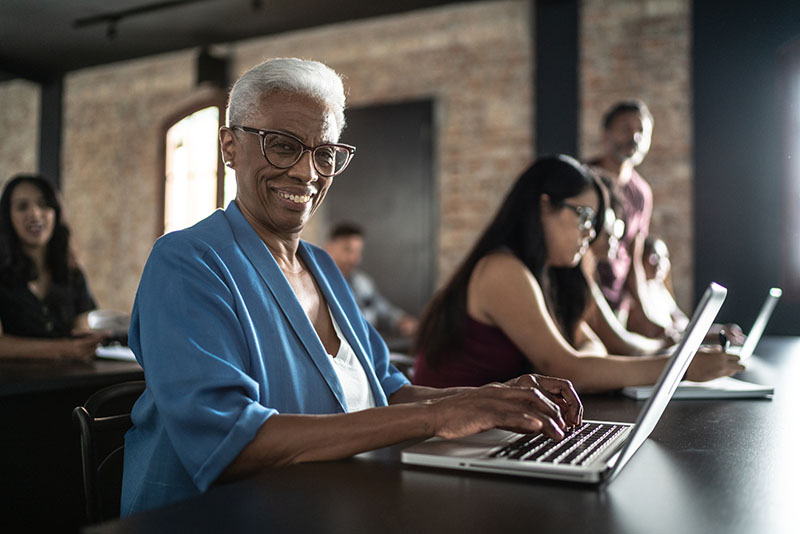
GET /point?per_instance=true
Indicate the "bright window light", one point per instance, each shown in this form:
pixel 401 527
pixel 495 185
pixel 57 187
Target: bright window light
pixel 190 192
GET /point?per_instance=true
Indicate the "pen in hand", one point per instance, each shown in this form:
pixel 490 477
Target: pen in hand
pixel 724 342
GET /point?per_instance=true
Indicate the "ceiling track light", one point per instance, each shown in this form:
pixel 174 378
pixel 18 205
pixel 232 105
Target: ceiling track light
pixel 112 19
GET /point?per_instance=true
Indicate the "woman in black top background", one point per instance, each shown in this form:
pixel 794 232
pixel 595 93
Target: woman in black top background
pixel 44 298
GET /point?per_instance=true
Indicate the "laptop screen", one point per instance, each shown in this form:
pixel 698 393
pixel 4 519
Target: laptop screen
pixel 754 336
pixel 701 321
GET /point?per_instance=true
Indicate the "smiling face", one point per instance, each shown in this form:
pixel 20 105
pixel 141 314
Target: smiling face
pixel 567 241
pixel 32 219
pixel 280 202
pixel 628 137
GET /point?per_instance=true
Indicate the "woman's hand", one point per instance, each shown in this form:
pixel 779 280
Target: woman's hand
pixel 516 408
pixel 712 362
pixel 733 332
pixel 80 348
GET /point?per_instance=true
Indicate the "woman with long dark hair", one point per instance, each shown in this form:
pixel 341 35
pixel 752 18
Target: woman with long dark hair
pixel 44 298
pixel 518 301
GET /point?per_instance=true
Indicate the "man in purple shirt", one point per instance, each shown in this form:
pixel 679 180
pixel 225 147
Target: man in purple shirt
pixel 627 131
pixel 620 275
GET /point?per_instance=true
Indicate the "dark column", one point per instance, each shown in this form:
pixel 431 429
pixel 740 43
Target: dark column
pixel 50 129
pixel 740 154
pixel 556 76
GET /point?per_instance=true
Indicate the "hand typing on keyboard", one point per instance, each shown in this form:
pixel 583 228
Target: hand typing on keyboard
pixel 529 404
pixel 558 391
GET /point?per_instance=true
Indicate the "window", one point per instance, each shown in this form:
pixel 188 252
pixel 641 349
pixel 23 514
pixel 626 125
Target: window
pixel 196 183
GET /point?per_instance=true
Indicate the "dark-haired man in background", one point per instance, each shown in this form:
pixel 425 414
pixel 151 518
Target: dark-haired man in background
pixel 627 132
pixel 346 246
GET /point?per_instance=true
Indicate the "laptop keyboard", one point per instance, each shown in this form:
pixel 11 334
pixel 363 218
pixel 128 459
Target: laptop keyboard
pixel 578 447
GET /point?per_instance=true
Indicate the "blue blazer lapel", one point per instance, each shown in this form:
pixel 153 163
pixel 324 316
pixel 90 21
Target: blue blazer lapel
pixel 344 323
pixel 266 266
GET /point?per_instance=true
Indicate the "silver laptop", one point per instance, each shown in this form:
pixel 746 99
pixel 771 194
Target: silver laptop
pixel 594 452
pixel 757 330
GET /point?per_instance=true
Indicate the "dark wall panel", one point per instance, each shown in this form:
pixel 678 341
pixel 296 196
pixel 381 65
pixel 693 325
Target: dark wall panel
pixel 556 88
pixel 739 153
pixel 50 129
pixel 389 189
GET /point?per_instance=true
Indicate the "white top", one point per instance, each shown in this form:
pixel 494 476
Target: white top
pixel 352 377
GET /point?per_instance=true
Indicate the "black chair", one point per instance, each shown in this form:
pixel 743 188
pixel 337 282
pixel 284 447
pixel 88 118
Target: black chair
pixel 103 421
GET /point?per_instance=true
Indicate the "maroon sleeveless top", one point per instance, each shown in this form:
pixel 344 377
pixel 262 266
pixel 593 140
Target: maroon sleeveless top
pixel 488 355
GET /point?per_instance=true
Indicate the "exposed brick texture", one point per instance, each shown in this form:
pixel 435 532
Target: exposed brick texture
pixel 19 128
pixel 113 117
pixel 474 60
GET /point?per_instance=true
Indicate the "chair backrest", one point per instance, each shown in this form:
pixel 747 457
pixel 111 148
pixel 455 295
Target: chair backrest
pixel 103 421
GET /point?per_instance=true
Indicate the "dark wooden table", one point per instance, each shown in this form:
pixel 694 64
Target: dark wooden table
pixel 710 466
pixel 41 487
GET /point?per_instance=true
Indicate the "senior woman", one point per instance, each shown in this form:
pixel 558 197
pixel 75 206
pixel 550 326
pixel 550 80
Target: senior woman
pixel 254 351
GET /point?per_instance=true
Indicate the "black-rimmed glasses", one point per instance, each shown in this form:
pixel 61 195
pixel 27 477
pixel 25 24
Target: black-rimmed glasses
pixel 283 150
pixel 586 216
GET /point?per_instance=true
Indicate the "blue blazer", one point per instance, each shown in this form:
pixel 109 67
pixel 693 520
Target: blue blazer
pixel 225 344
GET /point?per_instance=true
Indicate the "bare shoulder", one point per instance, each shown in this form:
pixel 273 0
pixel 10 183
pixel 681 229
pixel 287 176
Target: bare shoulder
pixel 500 279
pixel 500 267
pixel 505 293
pixel 497 280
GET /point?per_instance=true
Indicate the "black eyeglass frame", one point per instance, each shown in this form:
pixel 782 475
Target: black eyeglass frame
pixel 582 212
pixel 262 134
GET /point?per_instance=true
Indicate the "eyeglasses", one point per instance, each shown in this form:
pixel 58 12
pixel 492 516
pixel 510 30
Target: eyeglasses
pixel 283 150
pixel 586 216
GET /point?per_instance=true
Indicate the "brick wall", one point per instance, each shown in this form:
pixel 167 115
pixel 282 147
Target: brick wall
pixel 474 60
pixel 641 48
pixel 19 128
pixel 113 116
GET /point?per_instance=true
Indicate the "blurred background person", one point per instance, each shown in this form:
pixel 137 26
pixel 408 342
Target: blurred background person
pixel 620 266
pixel 627 133
pixel 44 298
pixel 346 246
pixel 600 317
pixel 657 291
pixel 665 314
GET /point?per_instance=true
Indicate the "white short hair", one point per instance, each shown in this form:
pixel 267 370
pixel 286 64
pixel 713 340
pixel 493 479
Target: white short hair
pixel 292 75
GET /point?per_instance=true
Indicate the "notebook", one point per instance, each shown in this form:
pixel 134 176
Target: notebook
pixel 725 387
pixel 596 452
pixel 115 352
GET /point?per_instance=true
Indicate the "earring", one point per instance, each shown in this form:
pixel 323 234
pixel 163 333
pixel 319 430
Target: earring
pixel 228 163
